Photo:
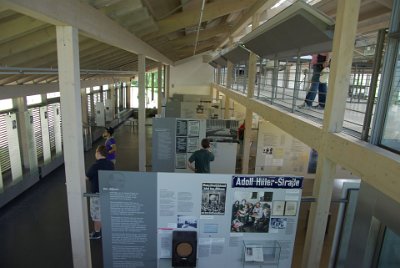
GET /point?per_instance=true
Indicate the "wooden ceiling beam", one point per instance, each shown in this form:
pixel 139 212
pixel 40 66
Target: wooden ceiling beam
pixel 24 24
pixel 45 52
pixel 386 3
pixel 32 78
pixel 28 42
pixel 98 52
pixel 374 24
pixel 191 38
pixel 10 79
pixel 189 18
pixel 258 6
pixel 188 51
pixel 90 22
pixel 122 8
pixel 371 13
pixel 99 62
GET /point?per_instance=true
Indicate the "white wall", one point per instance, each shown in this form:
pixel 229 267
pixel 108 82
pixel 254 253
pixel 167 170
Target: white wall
pixel 191 76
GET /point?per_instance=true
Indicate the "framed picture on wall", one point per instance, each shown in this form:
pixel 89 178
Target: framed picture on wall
pixel 278 208
pixel 291 208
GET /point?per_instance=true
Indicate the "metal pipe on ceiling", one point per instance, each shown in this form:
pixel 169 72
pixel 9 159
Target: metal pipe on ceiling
pixel 32 71
pixel 198 28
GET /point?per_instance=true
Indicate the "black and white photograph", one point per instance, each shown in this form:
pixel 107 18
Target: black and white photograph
pixel 193 128
pixel 200 109
pixel 181 128
pixel 219 130
pixel 181 144
pixel 251 212
pixel 186 222
pixel 278 223
pixel 213 199
pixel 278 208
pixel 192 144
pixel 180 161
pixel 291 208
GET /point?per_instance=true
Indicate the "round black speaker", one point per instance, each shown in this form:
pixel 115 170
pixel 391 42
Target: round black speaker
pixel 184 248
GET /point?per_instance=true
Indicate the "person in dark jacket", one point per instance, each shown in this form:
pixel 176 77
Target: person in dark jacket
pixel 102 163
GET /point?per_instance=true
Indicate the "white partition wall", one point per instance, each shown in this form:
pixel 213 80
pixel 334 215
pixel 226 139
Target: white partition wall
pixel 13 146
pixel 100 115
pixel 225 157
pixel 109 110
pixel 57 130
pixel 44 123
pixel 279 152
pixel 33 159
pixel 176 139
pixel 215 207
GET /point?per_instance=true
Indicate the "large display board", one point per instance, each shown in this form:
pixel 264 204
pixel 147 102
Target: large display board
pixel 128 216
pixel 175 139
pixel 280 153
pixel 239 220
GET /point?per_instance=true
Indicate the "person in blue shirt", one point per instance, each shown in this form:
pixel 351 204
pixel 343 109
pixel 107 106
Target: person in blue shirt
pixel 201 158
pixel 110 144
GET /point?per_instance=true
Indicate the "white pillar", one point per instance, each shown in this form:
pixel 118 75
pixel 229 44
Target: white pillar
pixel 113 97
pixel 250 94
pixel 168 79
pixel 128 94
pixel 152 86
pixel 142 113
pixel 26 135
pixel 84 101
pixel 159 87
pixel 229 71
pixel 227 110
pixel 69 81
pixel 345 32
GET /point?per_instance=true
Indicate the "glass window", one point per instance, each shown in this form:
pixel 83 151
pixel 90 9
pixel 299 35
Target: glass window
pixel 88 90
pixel 390 252
pixel 96 88
pixel 105 87
pixel 391 131
pixel 53 95
pixel 6 104
pixel 34 99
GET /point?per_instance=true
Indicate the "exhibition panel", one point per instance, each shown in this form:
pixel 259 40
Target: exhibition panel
pixel 202 220
pixel 176 139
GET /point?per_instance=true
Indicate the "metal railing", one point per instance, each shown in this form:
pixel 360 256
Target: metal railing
pixel 285 83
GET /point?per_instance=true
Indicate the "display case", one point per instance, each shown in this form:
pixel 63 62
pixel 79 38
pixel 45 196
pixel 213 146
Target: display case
pixel 261 253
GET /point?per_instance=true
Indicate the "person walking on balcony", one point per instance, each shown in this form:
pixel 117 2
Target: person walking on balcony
pixel 318 62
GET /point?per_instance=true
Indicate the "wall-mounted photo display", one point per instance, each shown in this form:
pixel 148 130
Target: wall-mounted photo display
pixel 213 199
pixel 278 208
pixel 181 144
pixel 192 144
pixel 186 222
pixel 251 212
pixel 222 130
pixel 278 223
pixel 193 128
pixel 180 161
pixel 291 208
pixel 181 128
